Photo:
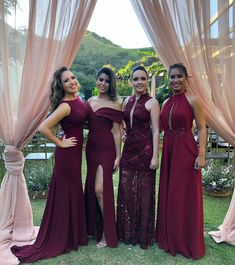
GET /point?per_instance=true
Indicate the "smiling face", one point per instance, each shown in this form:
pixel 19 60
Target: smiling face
pixel 103 83
pixel 140 82
pixel 69 83
pixel 177 80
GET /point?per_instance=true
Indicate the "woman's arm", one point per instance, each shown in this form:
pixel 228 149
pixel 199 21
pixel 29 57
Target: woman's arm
pixel 160 126
pixel 123 124
pixel 117 141
pixel 46 127
pixel 201 128
pixel 116 131
pixel 153 106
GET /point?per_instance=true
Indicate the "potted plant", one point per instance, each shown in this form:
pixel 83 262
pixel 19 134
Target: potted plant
pixel 218 179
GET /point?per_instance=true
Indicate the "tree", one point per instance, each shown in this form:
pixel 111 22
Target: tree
pixel 96 52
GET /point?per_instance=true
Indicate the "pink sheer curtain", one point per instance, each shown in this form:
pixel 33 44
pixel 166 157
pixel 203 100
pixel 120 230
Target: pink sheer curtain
pixel 200 34
pixel 181 31
pixel 36 38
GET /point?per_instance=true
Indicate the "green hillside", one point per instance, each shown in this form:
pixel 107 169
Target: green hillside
pixel 96 51
pixel 101 51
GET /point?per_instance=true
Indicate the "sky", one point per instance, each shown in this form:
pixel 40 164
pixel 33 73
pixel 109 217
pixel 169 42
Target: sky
pixel 116 20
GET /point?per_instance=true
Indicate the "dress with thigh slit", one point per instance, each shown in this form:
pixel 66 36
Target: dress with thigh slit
pixel 179 228
pixel 100 151
pixel 63 226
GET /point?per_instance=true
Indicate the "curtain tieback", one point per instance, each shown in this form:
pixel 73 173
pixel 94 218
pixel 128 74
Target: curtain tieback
pixel 14 160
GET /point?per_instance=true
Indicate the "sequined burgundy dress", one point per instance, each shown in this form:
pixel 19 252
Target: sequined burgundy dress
pixel 136 191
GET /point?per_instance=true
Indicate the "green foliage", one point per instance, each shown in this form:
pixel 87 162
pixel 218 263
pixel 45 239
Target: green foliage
pixel 86 81
pixel 110 66
pixel 38 176
pixel 95 91
pixel 96 52
pixel 155 69
pixel 218 177
pixel 124 89
pixel 162 93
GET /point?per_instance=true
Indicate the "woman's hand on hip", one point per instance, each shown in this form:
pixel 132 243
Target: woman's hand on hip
pixel 68 142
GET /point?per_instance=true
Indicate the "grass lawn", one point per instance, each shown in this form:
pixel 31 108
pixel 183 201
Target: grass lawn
pixel 216 254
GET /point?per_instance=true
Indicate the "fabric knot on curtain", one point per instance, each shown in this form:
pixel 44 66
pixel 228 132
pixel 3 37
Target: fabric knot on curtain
pixel 52 33
pixel 14 160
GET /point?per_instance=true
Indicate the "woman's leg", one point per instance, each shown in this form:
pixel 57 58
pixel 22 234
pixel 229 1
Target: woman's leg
pixel 99 195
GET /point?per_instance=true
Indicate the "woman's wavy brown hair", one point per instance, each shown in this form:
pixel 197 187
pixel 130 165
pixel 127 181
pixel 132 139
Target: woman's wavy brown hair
pixel 57 90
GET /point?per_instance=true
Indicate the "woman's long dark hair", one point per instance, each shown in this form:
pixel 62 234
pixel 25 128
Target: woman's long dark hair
pixel 57 90
pixel 112 92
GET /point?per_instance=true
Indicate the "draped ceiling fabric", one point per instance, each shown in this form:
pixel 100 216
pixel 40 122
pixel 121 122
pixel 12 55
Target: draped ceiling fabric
pixel 36 37
pixel 200 34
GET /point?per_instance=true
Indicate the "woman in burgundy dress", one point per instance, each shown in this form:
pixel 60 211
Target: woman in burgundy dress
pixel 103 156
pixel 179 227
pixel 139 161
pixel 63 225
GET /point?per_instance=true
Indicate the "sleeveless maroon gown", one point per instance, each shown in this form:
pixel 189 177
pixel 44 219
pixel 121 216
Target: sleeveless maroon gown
pixel 179 227
pixel 136 191
pixel 100 150
pixel 63 225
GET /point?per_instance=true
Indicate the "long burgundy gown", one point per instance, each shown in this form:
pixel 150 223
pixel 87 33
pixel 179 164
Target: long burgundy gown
pixel 100 150
pixel 179 227
pixel 136 191
pixel 63 225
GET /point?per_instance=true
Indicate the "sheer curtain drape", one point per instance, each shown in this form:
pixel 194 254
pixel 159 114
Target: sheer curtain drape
pixel 200 34
pixel 36 37
pixel 181 31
